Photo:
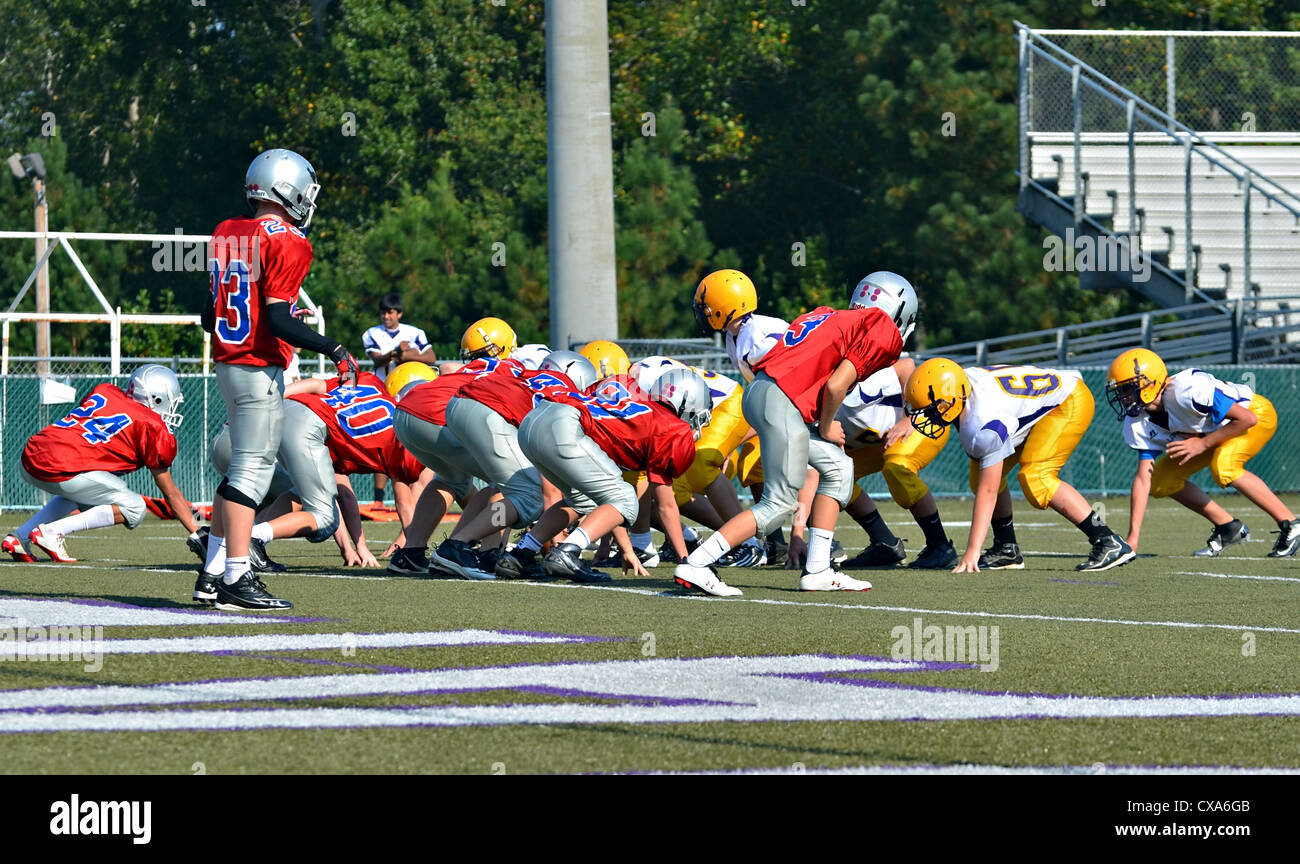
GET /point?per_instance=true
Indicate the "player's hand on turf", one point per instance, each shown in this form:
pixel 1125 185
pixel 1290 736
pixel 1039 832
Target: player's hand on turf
pixel 634 564
pixel 367 558
pixel 968 564
pixel 350 559
pixel 1185 450
pixel 797 552
pixel 392 547
pixel 898 432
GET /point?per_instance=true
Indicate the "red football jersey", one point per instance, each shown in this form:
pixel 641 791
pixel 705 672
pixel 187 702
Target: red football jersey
pixel 110 431
pixel 428 401
pixel 250 261
pixel 514 396
pixel 817 342
pixel 638 436
pixel 359 429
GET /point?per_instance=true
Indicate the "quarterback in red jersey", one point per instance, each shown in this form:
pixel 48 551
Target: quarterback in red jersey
pixel 112 432
pixel 799 383
pixel 257 266
pixel 584 443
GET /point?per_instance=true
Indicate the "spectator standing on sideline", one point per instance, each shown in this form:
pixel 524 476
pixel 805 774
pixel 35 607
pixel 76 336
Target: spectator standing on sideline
pixel 389 344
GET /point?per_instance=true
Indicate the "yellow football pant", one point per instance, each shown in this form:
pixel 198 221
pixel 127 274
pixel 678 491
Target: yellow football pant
pixel 1043 454
pixel 723 434
pixel 901 464
pixel 1226 462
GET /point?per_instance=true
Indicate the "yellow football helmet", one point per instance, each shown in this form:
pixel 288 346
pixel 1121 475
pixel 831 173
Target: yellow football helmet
pixel 1135 379
pixel 488 337
pixel 721 297
pixel 608 358
pixel 407 373
pixel 936 395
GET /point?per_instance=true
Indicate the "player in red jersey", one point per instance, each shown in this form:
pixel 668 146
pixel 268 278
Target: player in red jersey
pixel 800 383
pixel 485 416
pixel 257 266
pixel 584 442
pixel 335 429
pixel 79 459
pixel 421 426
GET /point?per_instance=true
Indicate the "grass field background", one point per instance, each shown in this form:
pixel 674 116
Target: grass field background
pixel 1167 624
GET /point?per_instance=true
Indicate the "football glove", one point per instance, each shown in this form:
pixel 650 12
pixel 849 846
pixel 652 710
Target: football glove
pixel 347 368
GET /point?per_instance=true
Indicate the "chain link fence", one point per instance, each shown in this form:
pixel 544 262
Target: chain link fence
pixel 1245 82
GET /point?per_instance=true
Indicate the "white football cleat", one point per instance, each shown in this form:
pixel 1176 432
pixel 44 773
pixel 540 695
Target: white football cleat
pixel 20 551
pixel 704 579
pixel 829 580
pixel 51 544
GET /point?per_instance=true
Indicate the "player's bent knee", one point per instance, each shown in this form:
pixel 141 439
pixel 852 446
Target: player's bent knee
pixel 1039 487
pixel 325 526
pixel 133 509
pixel 905 486
pixel 230 493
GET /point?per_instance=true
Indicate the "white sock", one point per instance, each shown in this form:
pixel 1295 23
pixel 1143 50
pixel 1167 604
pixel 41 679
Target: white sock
pixel 56 508
pixel 96 517
pixel 262 531
pixel 689 534
pixel 578 538
pixel 709 551
pixel 216 562
pixel 819 549
pixel 235 567
pixel 639 540
pixel 529 543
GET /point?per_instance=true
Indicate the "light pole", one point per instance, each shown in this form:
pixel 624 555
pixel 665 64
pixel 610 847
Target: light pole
pixel 33 166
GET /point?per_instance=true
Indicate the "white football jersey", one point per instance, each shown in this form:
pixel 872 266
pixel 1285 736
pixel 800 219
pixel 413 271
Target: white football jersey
pixel 871 408
pixel 1190 398
pixel 531 355
pixel 382 340
pixel 756 337
pixel 646 372
pixel 1004 404
pixel 1144 434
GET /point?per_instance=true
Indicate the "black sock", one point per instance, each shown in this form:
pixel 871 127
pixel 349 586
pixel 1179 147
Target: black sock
pixel 379 495
pixel 877 530
pixel 1094 527
pixel 932 525
pixel 1004 530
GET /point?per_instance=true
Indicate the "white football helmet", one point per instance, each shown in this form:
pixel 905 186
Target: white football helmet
pixel 156 387
pixel 531 355
pixel 285 178
pixel 646 372
pixel 686 393
pixel 578 368
pixel 890 293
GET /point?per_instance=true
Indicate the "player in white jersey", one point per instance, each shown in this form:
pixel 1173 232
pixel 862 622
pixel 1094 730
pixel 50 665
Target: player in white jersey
pixel 1182 423
pixel 1009 415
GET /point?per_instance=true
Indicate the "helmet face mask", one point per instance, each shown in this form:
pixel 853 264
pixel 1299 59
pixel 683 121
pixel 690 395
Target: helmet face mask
pixel 1125 397
pixel 936 396
pixel 488 337
pixel 157 388
pixel 1135 380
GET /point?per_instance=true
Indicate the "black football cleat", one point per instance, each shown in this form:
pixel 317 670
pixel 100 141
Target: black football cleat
pixel 459 559
pixel 409 561
pixel 519 564
pixel 1222 537
pixel 943 557
pixel 563 562
pixel 1001 556
pixel 248 593
pixel 262 562
pixel 205 588
pixel 199 545
pixel 878 555
pixel 1288 540
pixel 1110 551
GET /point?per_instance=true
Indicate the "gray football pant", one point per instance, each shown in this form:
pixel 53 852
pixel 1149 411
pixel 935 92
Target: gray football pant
pixel 551 437
pixel 788 448
pixel 254 397
pixel 219 455
pixel 438 448
pixel 306 457
pixel 494 444
pixel 92 489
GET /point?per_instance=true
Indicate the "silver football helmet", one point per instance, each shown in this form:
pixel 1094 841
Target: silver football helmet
pixel 156 387
pixel 686 393
pixel 574 365
pixel 890 293
pixel 285 178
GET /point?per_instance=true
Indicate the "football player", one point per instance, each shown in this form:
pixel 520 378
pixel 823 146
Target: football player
pixel 485 416
pixel 421 426
pixel 801 383
pixel 257 265
pixel 879 438
pixel 583 444
pixel 608 358
pixel 79 458
pixel 1011 415
pixel 1182 423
